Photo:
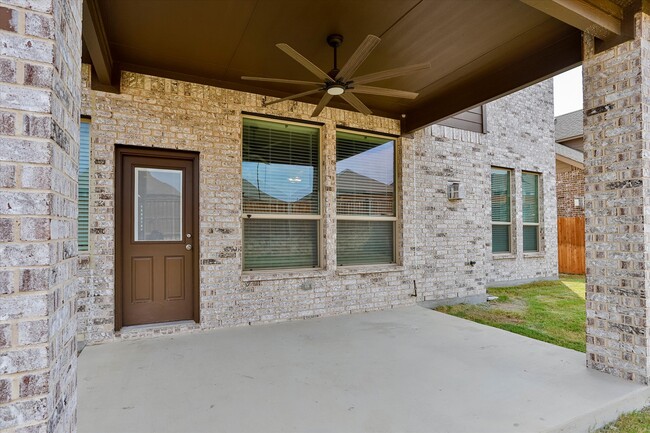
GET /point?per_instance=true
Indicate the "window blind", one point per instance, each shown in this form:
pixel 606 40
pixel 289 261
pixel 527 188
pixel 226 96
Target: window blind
pixel 500 195
pixel 280 177
pixel 531 238
pixel 365 242
pixel 530 203
pixel 83 189
pixel 500 238
pixel 279 243
pixel 280 168
pixel 529 187
pixel 365 172
pixel 501 227
pixel 365 199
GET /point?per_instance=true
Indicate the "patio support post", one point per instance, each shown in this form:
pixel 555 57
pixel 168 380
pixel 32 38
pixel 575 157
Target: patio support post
pixel 40 88
pixel 617 203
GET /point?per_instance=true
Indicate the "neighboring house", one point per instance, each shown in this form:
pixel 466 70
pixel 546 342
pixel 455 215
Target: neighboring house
pixel 298 219
pixel 570 164
pixel 570 192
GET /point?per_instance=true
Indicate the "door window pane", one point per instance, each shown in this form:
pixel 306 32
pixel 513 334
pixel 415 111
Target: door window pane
pixel 158 205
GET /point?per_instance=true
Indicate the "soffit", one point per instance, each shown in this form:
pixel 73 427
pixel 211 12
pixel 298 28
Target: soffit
pixel 478 49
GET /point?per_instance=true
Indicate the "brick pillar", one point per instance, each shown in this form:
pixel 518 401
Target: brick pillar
pixel 40 83
pixel 617 204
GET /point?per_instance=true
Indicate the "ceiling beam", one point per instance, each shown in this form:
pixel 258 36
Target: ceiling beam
pixel 464 94
pixel 599 18
pixel 96 41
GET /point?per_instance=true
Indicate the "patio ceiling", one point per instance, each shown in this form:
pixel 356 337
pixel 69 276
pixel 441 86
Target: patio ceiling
pixel 479 50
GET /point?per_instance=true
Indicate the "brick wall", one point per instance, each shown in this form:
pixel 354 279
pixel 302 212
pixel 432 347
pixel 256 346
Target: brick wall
pixel 570 185
pixel 617 217
pixel 39 117
pixel 444 247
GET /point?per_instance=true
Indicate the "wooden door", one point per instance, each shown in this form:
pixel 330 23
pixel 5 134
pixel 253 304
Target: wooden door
pixel 157 204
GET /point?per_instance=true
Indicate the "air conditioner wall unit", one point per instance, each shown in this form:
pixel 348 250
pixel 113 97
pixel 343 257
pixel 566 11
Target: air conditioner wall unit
pixel 455 190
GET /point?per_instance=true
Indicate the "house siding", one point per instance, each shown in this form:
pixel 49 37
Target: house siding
pixel 570 186
pixel 40 77
pixel 443 248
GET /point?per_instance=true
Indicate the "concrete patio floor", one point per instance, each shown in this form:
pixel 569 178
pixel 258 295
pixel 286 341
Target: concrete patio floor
pixel 403 370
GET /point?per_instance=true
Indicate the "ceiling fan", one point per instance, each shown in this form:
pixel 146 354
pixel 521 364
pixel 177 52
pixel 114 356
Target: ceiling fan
pixel 341 82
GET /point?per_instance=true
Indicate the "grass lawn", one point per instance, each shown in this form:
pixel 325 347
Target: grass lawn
pixel 551 311
pixel 633 422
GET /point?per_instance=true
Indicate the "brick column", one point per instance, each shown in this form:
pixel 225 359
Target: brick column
pixel 617 204
pixel 40 83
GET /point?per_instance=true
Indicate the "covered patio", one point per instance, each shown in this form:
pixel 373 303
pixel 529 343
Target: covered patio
pixel 408 369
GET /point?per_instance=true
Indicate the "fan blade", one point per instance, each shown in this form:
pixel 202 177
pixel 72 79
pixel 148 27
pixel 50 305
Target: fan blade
pixel 298 95
pixel 295 55
pixel 356 103
pixel 390 73
pixel 282 80
pixel 358 57
pixel 323 102
pixel 371 90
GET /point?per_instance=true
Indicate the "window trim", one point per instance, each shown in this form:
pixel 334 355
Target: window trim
pixel 280 216
pixel 396 199
pixel 510 224
pixel 538 224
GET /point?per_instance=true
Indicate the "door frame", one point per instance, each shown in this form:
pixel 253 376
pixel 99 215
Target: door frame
pixel 121 151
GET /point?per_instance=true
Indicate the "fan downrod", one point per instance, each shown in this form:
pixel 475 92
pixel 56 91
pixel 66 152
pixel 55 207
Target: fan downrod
pixel 334 40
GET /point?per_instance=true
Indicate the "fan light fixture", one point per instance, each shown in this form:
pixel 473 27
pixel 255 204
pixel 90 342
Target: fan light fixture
pixel 336 89
pixel 341 82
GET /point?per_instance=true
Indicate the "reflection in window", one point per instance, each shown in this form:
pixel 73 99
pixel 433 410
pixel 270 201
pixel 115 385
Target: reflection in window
pixel 158 204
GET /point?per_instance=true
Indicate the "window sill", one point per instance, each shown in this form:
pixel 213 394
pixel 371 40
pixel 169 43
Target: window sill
pixel 368 269
pixel 283 274
pixel 504 256
pixel 534 255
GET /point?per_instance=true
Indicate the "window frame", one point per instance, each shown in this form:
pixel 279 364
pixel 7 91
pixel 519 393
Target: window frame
pixel 283 216
pixel 396 199
pixel 510 224
pixel 525 224
pixel 84 248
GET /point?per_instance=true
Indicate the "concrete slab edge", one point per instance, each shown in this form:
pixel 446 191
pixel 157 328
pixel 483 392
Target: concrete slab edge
pixel 597 418
pixel 511 283
pixel 435 303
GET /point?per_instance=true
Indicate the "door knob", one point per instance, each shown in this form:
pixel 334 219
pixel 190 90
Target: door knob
pixel 188 247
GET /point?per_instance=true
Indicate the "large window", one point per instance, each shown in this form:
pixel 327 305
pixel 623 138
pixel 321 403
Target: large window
pixel 530 200
pixel 365 199
pixel 501 218
pixel 83 188
pixel 281 195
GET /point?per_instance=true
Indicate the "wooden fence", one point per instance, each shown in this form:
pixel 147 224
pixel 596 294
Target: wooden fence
pixel 571 245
